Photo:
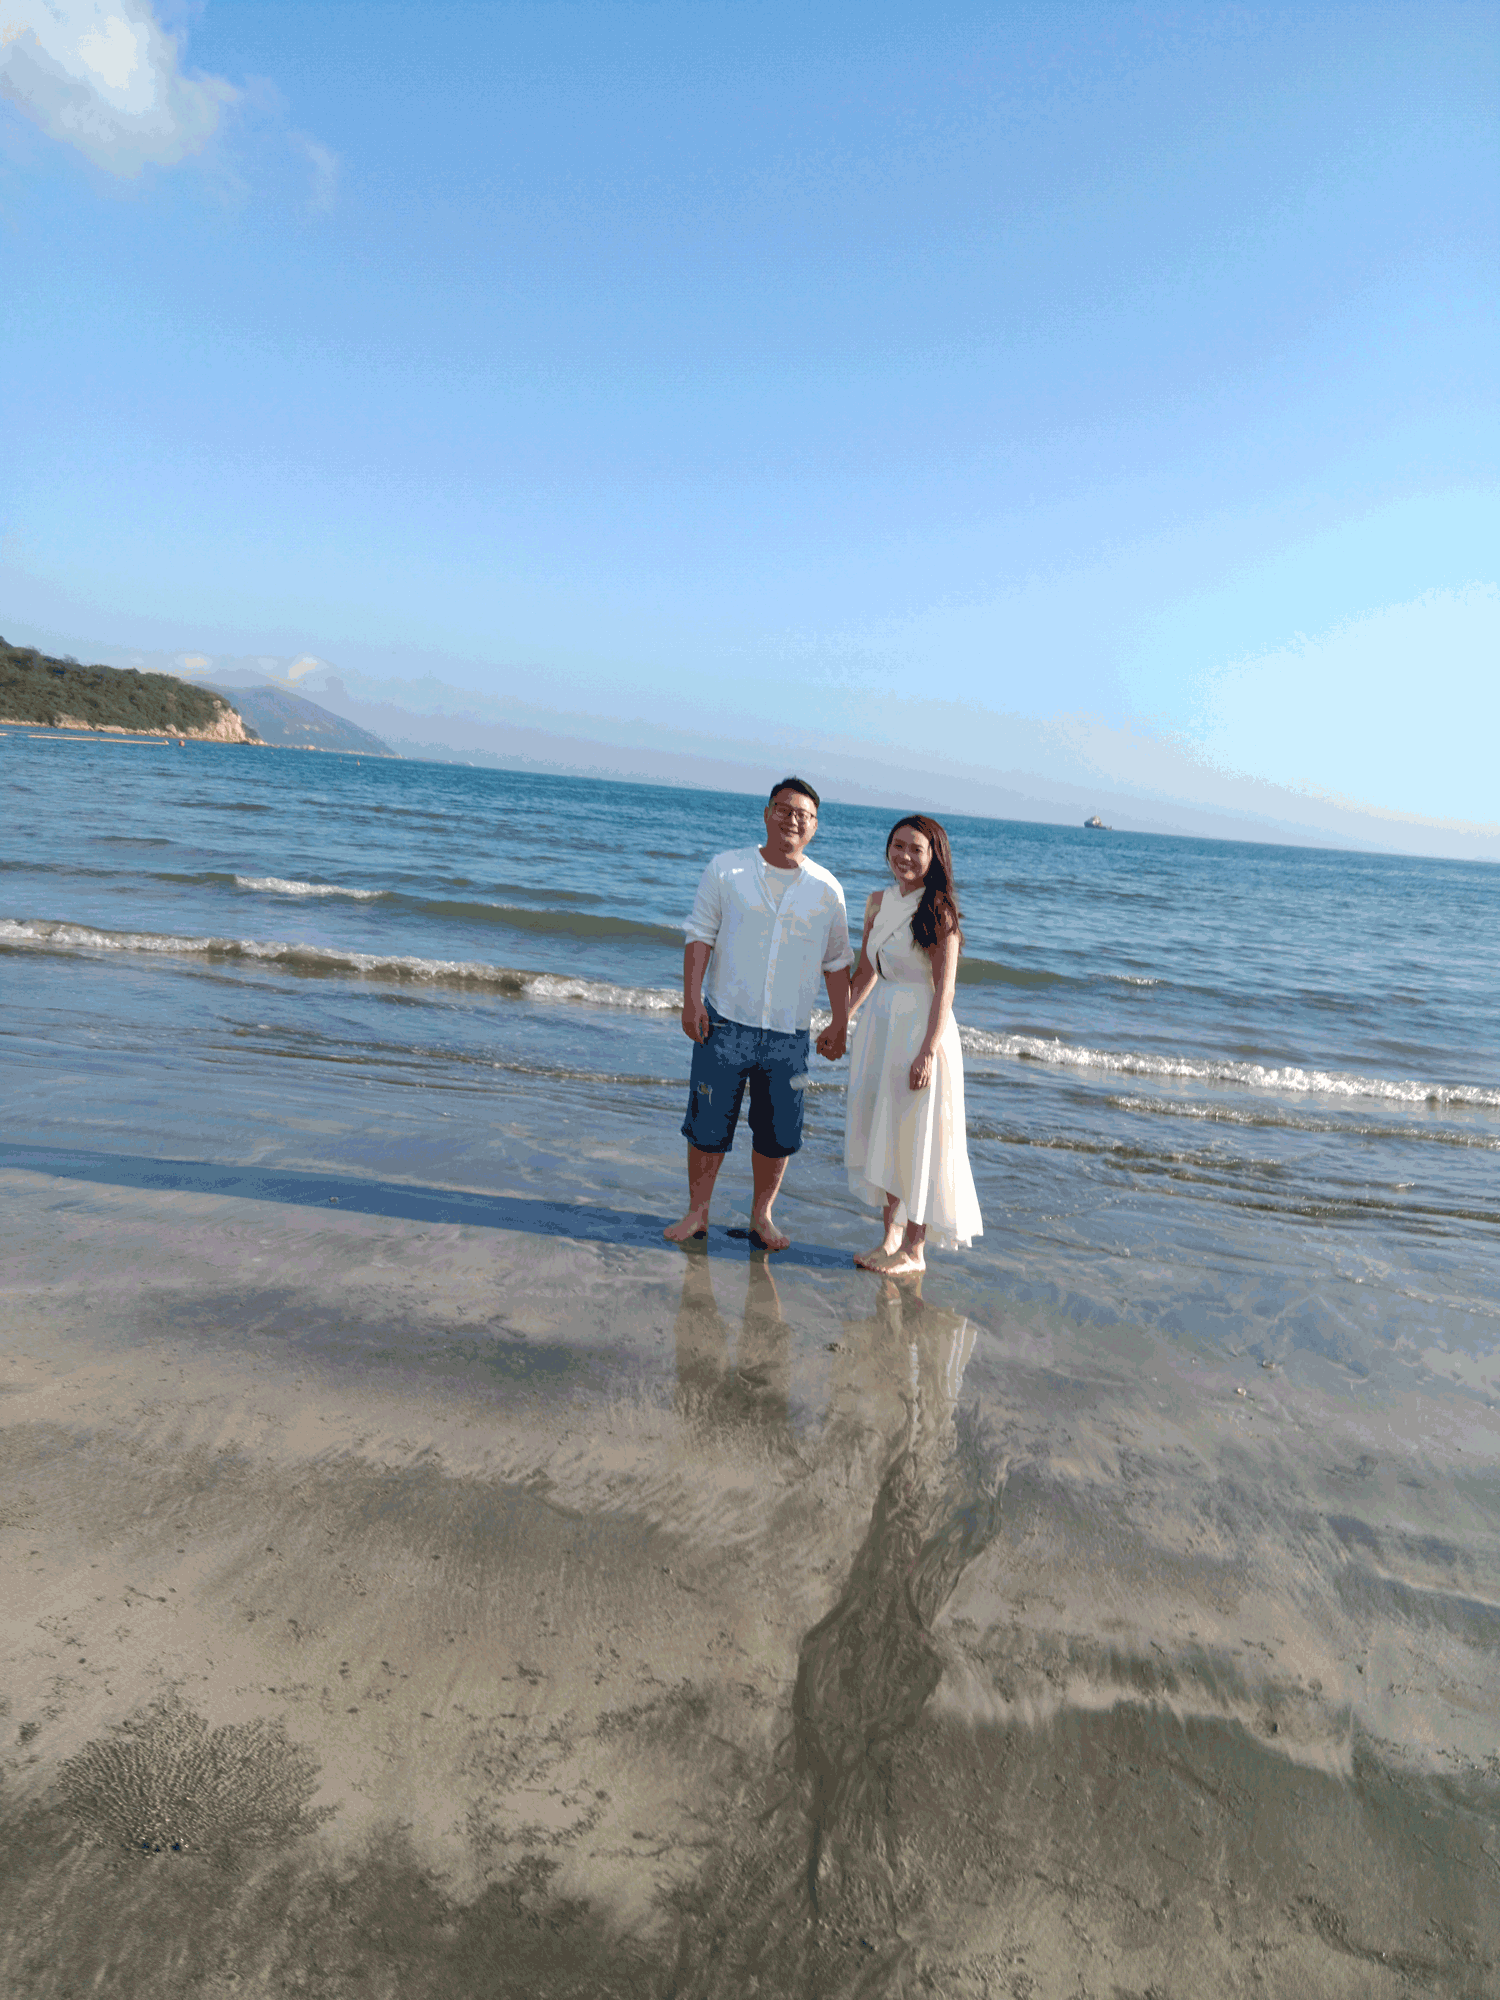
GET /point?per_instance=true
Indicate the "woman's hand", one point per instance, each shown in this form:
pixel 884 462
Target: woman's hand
pixel 943 958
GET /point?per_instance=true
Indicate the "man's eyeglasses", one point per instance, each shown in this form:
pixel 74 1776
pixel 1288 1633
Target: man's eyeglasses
pixel 804 816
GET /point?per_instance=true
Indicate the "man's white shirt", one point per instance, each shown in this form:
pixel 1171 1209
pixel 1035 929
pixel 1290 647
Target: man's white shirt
pixel 768 957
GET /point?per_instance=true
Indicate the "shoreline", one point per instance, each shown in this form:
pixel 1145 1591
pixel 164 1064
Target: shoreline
pixel 44 732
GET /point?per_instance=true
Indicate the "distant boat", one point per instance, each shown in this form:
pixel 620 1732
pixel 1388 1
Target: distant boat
pixel 1096 825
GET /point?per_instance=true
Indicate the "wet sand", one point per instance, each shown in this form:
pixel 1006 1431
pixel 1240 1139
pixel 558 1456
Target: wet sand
pixel 401 1606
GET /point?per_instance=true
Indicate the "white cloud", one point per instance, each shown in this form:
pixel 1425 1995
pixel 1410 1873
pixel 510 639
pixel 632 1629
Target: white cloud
pixel 104 76
pixel 325 172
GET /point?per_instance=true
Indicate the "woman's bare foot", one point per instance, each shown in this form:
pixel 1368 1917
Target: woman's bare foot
pixel 905 1264
pixel 764 1234
pixel 691 1225
pixel 877 1259
pixel 900 1253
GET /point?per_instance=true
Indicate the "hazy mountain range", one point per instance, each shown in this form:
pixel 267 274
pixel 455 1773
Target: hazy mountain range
pixel 1016 774
pixel 290 721
pixel 1011 767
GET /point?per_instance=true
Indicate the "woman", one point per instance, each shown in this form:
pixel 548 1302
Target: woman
pixel 904 1144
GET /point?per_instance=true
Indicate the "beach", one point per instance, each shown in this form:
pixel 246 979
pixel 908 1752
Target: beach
pixel 420 1579
pixel 598 1643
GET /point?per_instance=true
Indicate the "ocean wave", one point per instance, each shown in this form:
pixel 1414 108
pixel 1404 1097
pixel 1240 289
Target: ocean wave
pixel 1269 1119
pixel 465 910
pixel 224 805
pixel 513 982
pixel 321 962
pixel 990 972
pixel 1287 1080
pixel 274 885
pixel 551 923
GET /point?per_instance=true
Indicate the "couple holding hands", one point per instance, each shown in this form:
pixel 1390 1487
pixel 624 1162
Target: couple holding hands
pixel 767 924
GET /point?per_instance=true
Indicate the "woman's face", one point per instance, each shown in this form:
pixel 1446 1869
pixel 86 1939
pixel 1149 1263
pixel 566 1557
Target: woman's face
pixel 910 855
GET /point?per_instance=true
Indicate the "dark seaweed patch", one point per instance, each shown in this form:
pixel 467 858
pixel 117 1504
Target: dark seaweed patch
pixel 169 1784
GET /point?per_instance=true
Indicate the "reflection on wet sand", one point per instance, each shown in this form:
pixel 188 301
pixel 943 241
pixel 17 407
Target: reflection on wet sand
pixel 866 1670
pixel 1122 1814
pixel 754 1385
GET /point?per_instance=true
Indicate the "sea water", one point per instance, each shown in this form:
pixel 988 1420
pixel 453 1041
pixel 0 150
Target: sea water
pixel 1245 1092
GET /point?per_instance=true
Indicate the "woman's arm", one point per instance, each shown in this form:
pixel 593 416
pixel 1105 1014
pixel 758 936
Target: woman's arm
pixel 864 973
pixel 859 985
pixel 944 958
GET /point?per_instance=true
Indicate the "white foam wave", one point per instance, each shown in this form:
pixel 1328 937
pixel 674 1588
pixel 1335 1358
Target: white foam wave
pixel 1288 1080
pixel 553 988
pixel 602 993
pixel 274 885
pixel 310 960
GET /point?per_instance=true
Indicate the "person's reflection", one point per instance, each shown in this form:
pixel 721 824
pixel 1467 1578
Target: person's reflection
pixel 866 1670
pixel 941 1342
pixel 900 1372
pixel 757 1386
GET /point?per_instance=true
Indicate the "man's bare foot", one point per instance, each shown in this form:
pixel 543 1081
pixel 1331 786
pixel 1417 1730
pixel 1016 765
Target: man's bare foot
pixel 690 1226
pixel 766 1236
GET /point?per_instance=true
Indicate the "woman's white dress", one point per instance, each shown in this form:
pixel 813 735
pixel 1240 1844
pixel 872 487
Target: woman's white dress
pixel 897 1140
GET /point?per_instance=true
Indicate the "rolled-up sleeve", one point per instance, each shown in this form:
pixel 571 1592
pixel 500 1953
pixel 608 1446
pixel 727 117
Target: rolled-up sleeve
pixel 838 951
pixel 702 927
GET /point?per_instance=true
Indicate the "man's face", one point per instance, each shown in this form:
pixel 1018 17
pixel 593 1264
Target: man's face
pixel 791 822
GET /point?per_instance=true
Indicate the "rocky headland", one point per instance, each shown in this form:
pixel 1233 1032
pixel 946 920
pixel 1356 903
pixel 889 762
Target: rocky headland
pixel 36 689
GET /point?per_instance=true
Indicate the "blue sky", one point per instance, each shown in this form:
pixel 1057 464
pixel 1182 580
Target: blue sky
pixel 743 364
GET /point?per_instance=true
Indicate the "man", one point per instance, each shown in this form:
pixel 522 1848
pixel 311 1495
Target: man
pixel 765 925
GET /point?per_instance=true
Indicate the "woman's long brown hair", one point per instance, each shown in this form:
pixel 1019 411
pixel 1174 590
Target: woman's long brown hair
pixel 936 916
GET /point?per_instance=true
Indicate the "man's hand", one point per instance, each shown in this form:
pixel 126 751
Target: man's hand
pixel 835 1037
pixel 695 1022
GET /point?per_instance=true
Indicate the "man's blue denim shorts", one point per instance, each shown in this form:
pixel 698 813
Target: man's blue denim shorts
pixel 775 1067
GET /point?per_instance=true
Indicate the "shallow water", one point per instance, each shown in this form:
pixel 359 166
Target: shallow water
pixel 1208 1082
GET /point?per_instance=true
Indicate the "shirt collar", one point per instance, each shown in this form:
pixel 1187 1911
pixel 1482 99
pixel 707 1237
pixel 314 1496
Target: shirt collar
pixel 764 864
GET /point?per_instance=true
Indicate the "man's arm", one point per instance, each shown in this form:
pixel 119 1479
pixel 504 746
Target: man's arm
pixel 836 961
pixel 702 930
pixel 695 1022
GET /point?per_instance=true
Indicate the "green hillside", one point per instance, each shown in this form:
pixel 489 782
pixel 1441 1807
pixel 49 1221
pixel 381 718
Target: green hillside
pixel 36 688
